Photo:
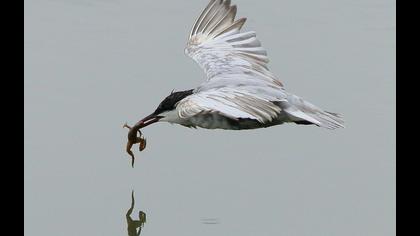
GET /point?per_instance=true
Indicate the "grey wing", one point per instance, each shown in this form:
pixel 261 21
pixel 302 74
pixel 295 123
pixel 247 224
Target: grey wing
pixel 239 83
pixel 222 51
pixel 231 103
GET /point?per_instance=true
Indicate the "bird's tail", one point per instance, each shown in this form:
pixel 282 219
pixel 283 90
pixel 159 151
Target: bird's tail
pixel 303 112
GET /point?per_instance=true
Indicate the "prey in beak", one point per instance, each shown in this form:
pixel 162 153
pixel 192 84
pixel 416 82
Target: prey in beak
pixel 163 112
pixel 132 135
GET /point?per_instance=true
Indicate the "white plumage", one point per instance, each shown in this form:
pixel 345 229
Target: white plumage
pixel 239 85
pixel 240 92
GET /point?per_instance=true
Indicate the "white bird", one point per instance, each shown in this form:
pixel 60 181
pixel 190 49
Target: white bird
pixel 240 92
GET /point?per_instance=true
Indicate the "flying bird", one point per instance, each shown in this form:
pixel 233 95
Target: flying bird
pixel 240 92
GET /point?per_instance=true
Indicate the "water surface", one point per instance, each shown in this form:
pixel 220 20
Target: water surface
pixel 92 65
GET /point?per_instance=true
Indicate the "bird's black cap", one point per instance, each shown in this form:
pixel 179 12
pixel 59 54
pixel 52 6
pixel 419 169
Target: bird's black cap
pixel 169 102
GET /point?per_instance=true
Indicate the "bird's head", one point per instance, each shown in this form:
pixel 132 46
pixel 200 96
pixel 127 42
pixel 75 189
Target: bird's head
pixel 165 110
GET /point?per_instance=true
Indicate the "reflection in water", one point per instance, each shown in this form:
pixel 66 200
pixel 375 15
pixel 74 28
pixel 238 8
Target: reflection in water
pixel 210 221
pixel 132 225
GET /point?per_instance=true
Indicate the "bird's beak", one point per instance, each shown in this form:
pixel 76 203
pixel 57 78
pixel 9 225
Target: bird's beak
pixel 150 119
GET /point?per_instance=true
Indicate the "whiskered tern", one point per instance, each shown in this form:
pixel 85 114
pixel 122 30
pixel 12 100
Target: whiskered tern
pixel 240 92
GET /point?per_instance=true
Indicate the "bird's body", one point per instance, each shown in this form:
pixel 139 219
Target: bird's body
pixel 220 121
pixel 282 111
pixel 240 92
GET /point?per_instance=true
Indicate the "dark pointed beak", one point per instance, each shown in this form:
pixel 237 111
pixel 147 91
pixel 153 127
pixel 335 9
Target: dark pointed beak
pixel 148 120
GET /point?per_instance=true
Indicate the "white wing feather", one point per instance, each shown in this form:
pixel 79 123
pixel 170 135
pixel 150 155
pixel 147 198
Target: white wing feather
pixel 229 102
pixel 218 46
pixel 239 84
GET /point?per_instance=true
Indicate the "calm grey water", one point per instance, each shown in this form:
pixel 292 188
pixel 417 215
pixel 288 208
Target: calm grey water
pixel 91 65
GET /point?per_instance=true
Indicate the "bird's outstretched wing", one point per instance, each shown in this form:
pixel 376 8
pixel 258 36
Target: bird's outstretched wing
pixel 221 50
pixel 239 84
pixel 231 103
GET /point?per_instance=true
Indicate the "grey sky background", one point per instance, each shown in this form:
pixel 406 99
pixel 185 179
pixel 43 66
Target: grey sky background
pixel 91 65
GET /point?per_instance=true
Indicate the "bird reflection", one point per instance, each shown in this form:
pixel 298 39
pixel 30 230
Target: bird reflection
pixel 133 225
